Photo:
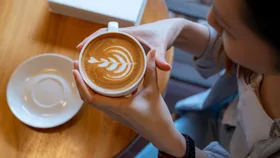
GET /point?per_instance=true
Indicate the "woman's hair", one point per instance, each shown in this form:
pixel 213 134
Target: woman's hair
pixel 261 17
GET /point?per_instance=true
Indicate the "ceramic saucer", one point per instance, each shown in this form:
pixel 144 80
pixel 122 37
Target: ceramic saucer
pixel 42 92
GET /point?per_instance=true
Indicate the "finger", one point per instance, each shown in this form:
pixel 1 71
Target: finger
pixel 160 55
pixel 92 97
pixel 150 75
pixel 161 61
pixel 81 45
pixel 76 65
pixel 84 90
pixel 81 95
pixel 135 91
pixel 147 47
pixel 95 99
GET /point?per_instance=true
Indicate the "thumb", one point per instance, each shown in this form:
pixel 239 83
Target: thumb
pixel 150 75
pixel 161 61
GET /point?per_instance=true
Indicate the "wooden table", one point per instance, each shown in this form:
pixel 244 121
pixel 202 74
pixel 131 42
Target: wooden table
pixel 27 29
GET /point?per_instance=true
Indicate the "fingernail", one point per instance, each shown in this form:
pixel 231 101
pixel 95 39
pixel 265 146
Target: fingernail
pixel 153 54
pixel 79 45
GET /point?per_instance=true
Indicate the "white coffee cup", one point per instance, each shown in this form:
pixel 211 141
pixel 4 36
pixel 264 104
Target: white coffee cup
pixel 113 27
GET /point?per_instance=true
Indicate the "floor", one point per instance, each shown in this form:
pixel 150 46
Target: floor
pixel 178 90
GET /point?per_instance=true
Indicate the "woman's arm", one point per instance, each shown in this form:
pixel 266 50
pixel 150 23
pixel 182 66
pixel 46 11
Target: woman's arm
pixel 161 35
pixel 193 37
pixel 201 41
pixel 176 145
pixel 213 150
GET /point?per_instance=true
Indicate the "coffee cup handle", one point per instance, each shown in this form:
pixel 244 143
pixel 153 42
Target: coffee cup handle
pixel 113 26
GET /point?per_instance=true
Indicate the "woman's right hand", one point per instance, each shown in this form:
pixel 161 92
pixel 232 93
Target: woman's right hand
pixel 159 36
pixel 145 111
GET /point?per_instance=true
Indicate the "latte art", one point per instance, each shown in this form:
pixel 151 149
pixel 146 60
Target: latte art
pixel 119 61
pixel 113 61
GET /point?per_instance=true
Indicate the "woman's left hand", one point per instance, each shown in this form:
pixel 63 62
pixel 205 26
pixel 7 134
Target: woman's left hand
pixel 145 112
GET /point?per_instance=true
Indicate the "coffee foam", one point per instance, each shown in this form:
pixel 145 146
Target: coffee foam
pixel 113 61
pixel 122 64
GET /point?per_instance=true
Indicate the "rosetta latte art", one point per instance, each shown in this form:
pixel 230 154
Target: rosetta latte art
pixel 118 63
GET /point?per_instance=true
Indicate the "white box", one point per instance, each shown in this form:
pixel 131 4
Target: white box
pixel 126 12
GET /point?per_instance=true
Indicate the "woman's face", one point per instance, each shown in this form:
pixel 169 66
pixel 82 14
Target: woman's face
pixel 241 44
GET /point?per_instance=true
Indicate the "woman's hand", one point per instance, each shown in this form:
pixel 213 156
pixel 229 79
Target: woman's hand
pixel 145 111
pixel 159 36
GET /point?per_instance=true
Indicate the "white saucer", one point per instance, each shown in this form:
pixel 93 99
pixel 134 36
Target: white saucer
pixel 42 92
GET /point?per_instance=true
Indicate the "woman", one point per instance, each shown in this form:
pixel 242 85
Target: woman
pixel 246 31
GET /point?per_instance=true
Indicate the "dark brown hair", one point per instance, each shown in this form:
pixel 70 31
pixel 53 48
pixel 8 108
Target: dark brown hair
pixel 247 74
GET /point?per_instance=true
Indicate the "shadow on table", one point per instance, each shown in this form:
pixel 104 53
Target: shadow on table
pixel 63 31
pixel 66 125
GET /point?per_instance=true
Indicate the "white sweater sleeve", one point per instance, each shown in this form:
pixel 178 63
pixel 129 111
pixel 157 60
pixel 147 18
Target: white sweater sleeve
pixel 208 64
pixel 215 150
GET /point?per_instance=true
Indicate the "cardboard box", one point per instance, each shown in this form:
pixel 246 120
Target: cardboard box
pixel 126 12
